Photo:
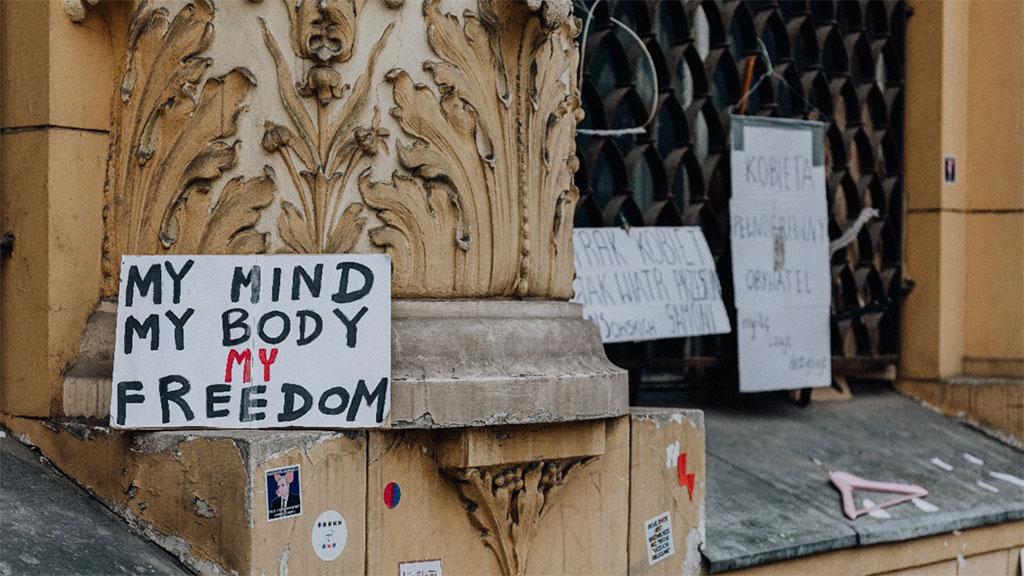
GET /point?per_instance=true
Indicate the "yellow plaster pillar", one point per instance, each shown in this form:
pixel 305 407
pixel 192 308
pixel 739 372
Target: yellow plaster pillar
pixel 55 92
pixel 963 331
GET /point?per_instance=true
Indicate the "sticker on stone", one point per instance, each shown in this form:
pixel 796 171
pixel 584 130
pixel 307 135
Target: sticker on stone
pixel 284 493
pixel 420 568
pixel 329 535
pixel 392 495
pixel 659 539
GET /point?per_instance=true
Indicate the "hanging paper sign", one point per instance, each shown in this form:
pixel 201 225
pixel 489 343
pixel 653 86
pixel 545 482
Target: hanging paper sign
pixel 253 342
pixel 780 252
pixel 648 283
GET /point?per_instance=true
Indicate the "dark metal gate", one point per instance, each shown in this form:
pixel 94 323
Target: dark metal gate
pixel 837 62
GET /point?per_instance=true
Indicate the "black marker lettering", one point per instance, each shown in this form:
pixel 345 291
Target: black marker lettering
pixel 167 396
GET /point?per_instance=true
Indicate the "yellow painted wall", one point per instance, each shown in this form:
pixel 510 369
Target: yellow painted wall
pixel 994 335
pixel 990 551
pixel 56 81
pixel 965 240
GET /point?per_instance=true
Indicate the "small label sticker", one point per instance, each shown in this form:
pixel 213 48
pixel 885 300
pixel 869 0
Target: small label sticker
pixel 659 539
pixel 420 568
pixel 392 495
pixel 329 535
pixel 284 493
pixel 949 169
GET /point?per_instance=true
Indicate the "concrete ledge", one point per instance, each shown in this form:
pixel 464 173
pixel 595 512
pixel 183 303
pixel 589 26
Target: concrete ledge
pixel 486 362
pixel 455 363
pixel 995 405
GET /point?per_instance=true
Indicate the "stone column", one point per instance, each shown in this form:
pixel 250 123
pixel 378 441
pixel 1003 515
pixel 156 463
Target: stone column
pixel 441 134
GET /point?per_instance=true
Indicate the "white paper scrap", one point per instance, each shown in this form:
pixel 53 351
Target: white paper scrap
pixel 875 513
pixel 420 568
pixel 1007 477
pixel 672 454
pixel 973 459
pixel 942 465
pixel 925 506
pixel 988 486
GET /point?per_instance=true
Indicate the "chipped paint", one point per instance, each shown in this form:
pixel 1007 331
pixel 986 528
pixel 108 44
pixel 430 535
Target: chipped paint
pixel 672 454
pixel 694 540
pixel 285 555
pixel 664 417
pixel 203 508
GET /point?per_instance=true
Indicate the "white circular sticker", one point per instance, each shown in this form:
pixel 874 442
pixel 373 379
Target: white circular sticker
pixel 329 535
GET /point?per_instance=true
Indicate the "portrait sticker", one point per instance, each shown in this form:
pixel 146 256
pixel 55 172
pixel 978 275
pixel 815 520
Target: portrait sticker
pixel 284 493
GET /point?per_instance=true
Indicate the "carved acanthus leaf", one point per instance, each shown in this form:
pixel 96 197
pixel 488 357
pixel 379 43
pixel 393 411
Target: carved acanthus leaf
pixel 507 503
pixel 416 216
pixel 170 143
pixel 323 154
pixel 498 139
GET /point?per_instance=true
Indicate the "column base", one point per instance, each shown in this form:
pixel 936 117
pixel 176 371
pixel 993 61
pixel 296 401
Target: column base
pixel 459 363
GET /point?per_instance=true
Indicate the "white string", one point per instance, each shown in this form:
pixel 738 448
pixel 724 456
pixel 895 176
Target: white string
pixel 852 231
pixel 650 61
pixel 769 73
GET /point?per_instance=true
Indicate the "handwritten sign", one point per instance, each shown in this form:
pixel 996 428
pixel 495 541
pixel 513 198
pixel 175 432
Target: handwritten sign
pixel 253 342
pixel 648 283
pixel 779 233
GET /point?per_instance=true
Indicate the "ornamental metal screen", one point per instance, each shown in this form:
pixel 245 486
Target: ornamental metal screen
pixel 837 62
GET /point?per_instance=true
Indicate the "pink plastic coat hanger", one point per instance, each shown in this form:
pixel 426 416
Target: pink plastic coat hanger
pixel 846 482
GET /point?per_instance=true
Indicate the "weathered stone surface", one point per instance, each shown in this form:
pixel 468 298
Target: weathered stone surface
pixel 201 495
pixel 471 363
pixel 662 440
pixel 39 507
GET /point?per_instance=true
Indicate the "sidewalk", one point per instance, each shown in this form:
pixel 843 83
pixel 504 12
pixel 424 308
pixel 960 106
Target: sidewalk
pixel 50 525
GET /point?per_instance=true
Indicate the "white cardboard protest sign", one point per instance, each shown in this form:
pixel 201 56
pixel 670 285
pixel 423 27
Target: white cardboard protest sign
pixel 253 342
pixel 648 283
pixel 780 255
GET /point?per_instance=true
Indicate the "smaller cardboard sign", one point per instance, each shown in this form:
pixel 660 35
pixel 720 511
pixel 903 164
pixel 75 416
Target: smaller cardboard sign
pixel 284 493
pixel 420 568
pixel 779 234
pixel 329 535
pixel 660 544
pixel 648 283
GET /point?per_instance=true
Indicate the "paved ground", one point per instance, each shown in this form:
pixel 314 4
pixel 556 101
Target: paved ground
pixel 50 525
pixel 769 496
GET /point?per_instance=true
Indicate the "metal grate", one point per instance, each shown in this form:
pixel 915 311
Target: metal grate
pixel 837 62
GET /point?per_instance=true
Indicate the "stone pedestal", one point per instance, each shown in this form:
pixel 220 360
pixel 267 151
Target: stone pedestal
pixel 573 497
pixel 485 362
pixel 440 133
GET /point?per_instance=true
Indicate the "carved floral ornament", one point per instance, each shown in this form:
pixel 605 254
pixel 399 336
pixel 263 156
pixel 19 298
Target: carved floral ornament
pixel 457 162
pixel 506 503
